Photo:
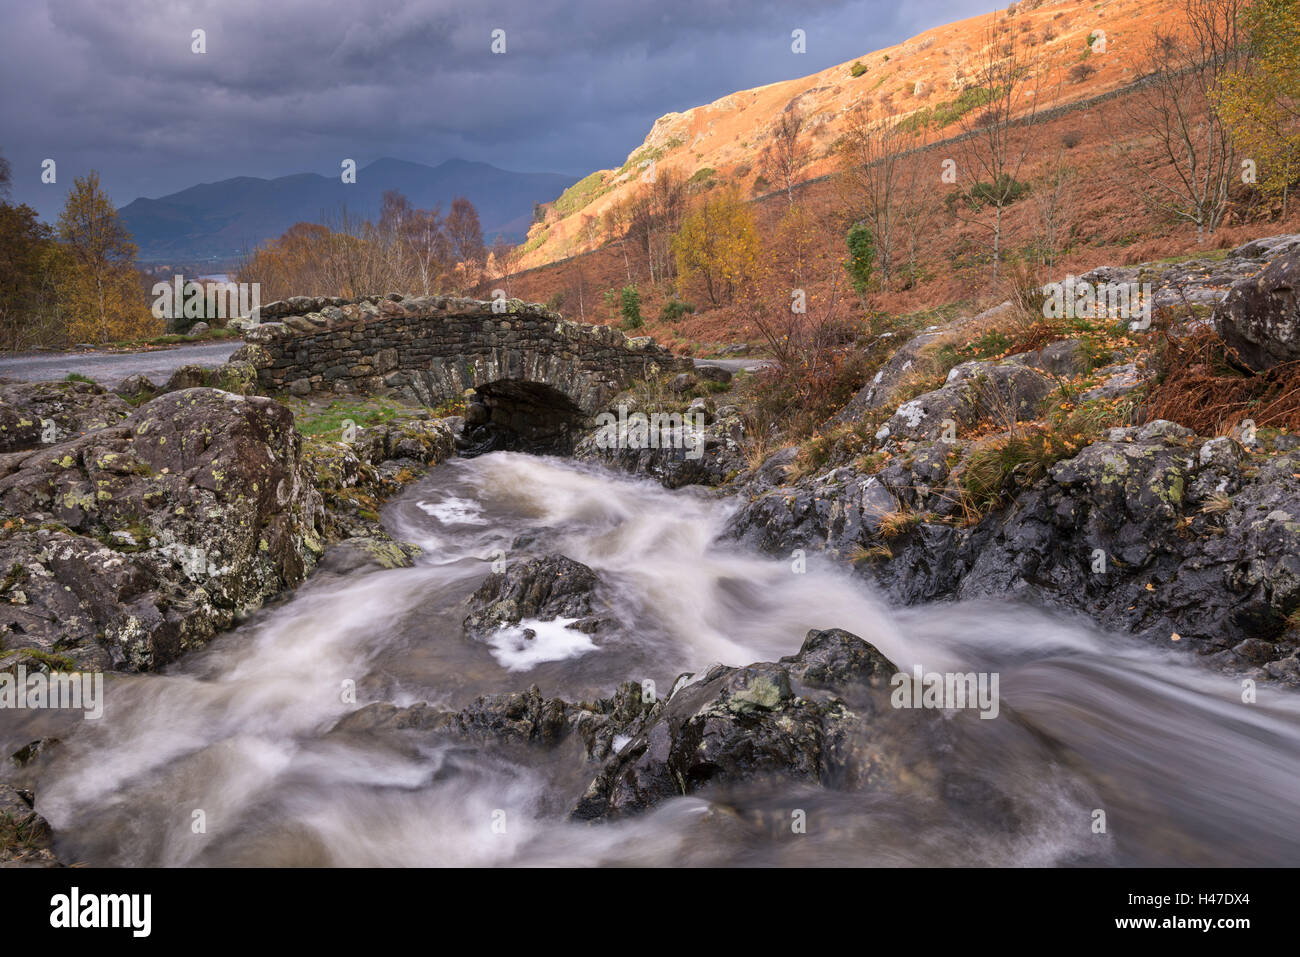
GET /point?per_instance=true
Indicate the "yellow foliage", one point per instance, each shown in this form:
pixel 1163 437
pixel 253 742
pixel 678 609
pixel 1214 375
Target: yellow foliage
pixel 1261 102
pixel 101 295
pixel 717 246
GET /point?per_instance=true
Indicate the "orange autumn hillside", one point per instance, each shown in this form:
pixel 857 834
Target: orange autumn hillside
pixel 1089 48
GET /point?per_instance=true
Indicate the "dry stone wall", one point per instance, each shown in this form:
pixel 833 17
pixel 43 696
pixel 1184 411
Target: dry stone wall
pixel 433 348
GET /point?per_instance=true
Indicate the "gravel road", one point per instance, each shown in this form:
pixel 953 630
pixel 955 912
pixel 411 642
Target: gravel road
pixel 110 368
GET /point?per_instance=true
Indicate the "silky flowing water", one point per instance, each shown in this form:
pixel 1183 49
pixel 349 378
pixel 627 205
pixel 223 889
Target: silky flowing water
pixel 238 737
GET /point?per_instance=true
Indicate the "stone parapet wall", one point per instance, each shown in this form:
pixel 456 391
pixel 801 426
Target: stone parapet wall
pixel 433 348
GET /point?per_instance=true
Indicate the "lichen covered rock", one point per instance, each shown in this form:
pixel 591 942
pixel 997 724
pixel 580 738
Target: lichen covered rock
pixel 137 541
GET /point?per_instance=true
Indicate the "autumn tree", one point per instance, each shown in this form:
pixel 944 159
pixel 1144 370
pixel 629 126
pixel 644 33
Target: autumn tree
pixel 918 205
pixel 797 303
pixel 1183 78
pixel 614 225
pixel 717 246
pixel 103 294
pixel 404 250
pixel 876 181
pixel 577 287
pixel 33 266
pixel 654 213
pixel 414 247
pixel 1260 100
pixel 787 152
pixel 1007 84
pixel 465 236
pixel 32 270
pixel 1054 206
pixel 503 261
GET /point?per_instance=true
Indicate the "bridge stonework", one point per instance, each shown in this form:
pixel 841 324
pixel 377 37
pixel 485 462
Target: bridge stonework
pixel 521 359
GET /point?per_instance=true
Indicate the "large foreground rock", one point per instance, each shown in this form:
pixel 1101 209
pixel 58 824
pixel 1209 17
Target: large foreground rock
pixel 124 547
pixel 25 836
pixel 804 719
pixel 33 414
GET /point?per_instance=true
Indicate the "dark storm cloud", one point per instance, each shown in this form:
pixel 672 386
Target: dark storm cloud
pixel 297 86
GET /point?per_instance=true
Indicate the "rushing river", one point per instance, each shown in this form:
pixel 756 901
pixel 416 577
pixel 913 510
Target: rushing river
pixel 1186 772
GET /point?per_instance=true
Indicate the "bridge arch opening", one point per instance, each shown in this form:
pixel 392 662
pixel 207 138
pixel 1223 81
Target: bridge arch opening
pixel 521 415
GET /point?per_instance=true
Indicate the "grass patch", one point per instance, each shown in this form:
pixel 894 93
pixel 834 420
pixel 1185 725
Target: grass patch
pixel 328 422
pixel 1004 462
pixel 580 194
pixel 50 661
pixel 893 524
pixel 176 339
pixel 870 553
pixel 949 112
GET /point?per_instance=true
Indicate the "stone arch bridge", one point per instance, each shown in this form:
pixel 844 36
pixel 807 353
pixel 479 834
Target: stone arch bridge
pixel 533 372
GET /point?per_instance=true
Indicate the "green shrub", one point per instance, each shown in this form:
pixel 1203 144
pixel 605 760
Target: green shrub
pixel 857 69
pixel 862 256
pixel 674 309
pixel 630 307
pixel 1006 191
pixel 702 178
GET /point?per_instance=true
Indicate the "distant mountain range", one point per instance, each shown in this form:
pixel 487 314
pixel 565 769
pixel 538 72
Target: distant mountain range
pixel 221 220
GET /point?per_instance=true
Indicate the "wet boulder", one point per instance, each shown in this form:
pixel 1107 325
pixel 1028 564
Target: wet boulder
pixel 525 717
pixel 544 588
pixel 698 447
pixel 821 718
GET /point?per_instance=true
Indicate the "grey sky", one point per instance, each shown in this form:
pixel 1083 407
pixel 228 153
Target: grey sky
pixel 291 86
